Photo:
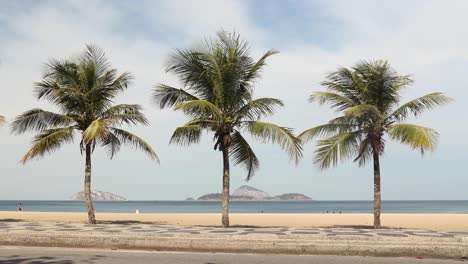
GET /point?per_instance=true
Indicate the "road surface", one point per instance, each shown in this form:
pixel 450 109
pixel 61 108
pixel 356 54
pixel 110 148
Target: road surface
pixel 24 255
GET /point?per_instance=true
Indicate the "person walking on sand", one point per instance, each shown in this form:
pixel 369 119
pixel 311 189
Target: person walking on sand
pixel 20 207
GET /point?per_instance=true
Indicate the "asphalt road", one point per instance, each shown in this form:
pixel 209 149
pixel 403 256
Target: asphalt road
pixel 23 255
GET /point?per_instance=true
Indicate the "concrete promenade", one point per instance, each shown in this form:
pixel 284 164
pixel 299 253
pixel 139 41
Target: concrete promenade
pixel 333 241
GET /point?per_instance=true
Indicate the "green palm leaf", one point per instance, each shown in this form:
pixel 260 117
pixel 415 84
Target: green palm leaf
pixel 97 131
pixel 335 100
pixel 243 154
pixel 364 153
pixel 167 96
pixel 48 141
pixel 129 114
pixel 200 109
pixel 186 135
pixel 112 144
pixel 268 132
pixel 339 147
pixel 254 72
pixel 417 137
pixel 126 137
pixel 258 108
pixel 418 105
pixel 39 120
pixel 363 109
pixel 325 130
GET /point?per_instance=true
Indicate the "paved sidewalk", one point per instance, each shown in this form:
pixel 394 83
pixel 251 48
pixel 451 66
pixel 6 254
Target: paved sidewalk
pixel 337 241
pixel 41 255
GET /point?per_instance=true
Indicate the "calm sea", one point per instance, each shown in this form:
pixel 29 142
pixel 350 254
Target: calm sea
pixel 299 207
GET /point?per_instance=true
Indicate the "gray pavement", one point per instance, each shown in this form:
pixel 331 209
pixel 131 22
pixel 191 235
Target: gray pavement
pixel 24 255
pixel 275 240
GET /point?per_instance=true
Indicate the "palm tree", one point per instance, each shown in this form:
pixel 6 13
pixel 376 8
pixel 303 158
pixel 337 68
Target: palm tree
pixel 83 89
pixel 368 97
pixel 219 78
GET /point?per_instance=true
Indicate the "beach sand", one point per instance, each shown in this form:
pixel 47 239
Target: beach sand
pixel 443 222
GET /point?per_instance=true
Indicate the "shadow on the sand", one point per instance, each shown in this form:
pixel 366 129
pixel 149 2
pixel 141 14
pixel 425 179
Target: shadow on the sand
pixel 11 220
pixel 239 226
pixel 40 260
pixel 17 259
pixel 130 222
pixel 357 227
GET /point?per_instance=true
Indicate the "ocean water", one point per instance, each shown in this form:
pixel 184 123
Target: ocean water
pixel 298 207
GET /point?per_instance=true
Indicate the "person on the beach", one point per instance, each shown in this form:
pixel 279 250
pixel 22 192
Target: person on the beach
pixel 20 207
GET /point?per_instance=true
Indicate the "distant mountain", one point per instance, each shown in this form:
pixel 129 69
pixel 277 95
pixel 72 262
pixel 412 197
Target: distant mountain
pixel 248 193
pixel 245 190
pixel 219 197
pixel 291 197
pixel 98 196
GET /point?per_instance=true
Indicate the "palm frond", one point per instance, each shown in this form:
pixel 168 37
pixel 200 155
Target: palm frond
pixel 109 86
pixel 95 56
pixel 112 144
pixel 347 83
pixel 191 68
pixel 200 108
pixel 167 96
pixel 83 84
pixel 335 100
pixel 48 141
pixel 258 108
pixel 325 130
pixel 97 131
pixel 2 120
pixel 129 114
pixel 126 137
pixel 255 70
pixel 339 147
pixel 243 154
pixel 186 135
pixel 363 109
pixel 39 120
pixel 268 132
pixel 365 152
pixel 417 137
pixel 418 105
pixel 383 83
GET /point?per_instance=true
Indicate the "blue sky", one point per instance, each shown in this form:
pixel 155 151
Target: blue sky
pixel 428 39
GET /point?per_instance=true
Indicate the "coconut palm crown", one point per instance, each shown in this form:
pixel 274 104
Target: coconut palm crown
pixel 219 78
pixel 367 96
pixel 83 88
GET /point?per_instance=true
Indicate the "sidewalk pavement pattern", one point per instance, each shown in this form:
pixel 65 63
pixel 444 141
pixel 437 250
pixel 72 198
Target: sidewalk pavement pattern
pixel 336 241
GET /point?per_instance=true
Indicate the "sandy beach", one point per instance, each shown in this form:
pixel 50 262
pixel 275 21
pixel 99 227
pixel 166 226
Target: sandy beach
pixel 442 222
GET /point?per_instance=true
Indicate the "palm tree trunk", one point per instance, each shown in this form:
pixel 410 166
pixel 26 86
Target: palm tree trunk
pixel 87 188
pixel 225 216
pixel 377 194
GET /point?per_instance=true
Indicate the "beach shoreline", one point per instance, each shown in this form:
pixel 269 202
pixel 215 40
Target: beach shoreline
pixel 439 222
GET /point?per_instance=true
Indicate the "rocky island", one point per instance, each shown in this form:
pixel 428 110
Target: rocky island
pixel 248 193
pixel 98 196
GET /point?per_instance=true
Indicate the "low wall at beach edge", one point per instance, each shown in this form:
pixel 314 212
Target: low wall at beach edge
pixel 456 248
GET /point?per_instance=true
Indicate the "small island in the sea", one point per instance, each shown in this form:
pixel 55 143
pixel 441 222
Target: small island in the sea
pixel 98 196
pixel 247 193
